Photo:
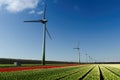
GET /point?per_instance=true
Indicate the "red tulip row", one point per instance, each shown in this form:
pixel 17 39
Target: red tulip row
pixel 32 67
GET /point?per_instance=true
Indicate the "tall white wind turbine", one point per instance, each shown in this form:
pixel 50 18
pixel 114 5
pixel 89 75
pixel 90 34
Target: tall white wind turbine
pixel 43 21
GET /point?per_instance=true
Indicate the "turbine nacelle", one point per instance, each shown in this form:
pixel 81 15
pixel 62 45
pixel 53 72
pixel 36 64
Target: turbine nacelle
pixel 44 21
pixel 76 48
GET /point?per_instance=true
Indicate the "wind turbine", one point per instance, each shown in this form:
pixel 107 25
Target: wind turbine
pixel 89 59
pixel 43 21
pixel 77 48
pixel 86 57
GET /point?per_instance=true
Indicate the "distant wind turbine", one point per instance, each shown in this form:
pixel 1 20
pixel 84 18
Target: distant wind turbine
pixel 77 48
pixel 86 57
pixel 89 59
pixel 43 21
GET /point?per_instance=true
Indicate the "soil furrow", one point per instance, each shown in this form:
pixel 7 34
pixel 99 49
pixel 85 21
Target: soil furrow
pixel 86 73
pixel 112 71
pixel 101 75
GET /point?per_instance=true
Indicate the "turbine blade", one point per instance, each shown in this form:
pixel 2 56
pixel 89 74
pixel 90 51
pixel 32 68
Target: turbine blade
pixel 44 15
pixel 74 48
pixel 34 21
pixel 48 34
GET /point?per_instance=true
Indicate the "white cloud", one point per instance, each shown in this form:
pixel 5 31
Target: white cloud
pixel 40 12
pixel 18 5
pixel 36 12
pixel 32 12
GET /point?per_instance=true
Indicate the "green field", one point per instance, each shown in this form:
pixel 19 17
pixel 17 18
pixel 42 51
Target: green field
pixel 27 65
pixel 81 72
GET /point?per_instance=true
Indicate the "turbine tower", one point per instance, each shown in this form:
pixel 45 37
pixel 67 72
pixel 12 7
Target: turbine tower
pixel 86 57
pixel 43 21
pixel 89 59
pixel 77 48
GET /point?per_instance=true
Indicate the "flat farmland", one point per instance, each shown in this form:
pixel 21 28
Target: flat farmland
pixel 67 72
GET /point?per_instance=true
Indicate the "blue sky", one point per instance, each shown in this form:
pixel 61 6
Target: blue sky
pixel 92 23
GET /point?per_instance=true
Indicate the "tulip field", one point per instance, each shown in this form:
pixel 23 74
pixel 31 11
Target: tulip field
pixel 63 72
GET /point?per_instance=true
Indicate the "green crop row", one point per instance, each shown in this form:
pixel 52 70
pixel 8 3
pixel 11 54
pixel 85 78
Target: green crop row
pixel 43 74
pixel 113 65
pixel 114 70
pixel 79 74
pixel 94 74
pixel 108 75
pixel 84 72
